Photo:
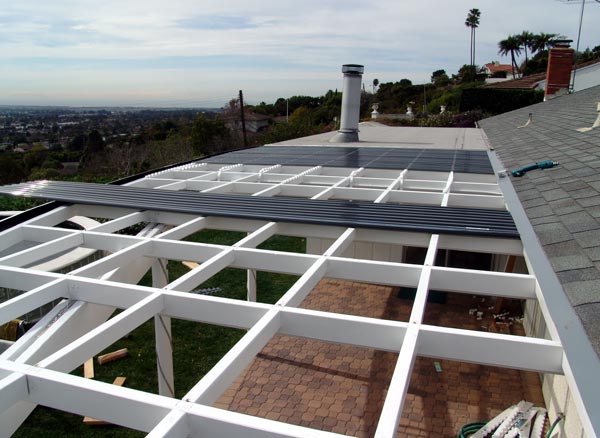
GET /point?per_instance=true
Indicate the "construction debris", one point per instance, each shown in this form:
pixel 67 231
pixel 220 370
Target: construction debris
pixel 520 420
pixel 12 330
pixel 88 368
pixel 109 357
pixel 207 291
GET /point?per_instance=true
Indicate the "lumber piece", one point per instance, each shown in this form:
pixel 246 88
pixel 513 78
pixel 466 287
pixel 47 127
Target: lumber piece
pixel 88 368
pixel 114 355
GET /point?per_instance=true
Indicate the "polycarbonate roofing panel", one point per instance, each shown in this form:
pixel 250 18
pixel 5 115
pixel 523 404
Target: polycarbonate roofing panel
pixel 442 160
pixel 399 217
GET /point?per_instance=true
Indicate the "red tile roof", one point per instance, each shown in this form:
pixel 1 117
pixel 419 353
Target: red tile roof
pixel 526 82
pixel 495 68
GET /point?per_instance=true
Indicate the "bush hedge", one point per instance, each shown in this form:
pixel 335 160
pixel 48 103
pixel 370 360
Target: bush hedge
pixel 497 101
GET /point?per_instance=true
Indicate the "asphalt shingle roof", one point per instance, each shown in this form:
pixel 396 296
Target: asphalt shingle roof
pixel 562 203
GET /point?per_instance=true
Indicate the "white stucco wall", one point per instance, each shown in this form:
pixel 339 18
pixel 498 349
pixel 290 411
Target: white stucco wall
pixel 557 394
pixel 363 250
pixel 586 77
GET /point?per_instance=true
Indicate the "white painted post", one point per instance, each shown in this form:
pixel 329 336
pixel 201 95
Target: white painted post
pixel 162 333
pixel 251 284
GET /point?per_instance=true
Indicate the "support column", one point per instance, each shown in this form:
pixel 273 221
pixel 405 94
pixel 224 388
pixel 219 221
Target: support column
pixel 251 284
pixel 162 333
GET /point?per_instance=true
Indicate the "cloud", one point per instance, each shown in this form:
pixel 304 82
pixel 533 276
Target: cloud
pixel 216 22
pixel 264 45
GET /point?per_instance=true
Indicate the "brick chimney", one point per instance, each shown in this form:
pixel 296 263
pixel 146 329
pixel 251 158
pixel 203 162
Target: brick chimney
pixel 558 75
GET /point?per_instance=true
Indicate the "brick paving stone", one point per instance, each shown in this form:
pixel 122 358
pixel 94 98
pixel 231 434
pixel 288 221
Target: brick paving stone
pixel 341 388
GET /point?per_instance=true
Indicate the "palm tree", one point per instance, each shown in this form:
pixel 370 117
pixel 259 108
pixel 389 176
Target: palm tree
pixel 526 40
pixel 472 22
pixel 510 45
pixel 543 41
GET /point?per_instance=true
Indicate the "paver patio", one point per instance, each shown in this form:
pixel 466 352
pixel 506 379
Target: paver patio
pixel 341 388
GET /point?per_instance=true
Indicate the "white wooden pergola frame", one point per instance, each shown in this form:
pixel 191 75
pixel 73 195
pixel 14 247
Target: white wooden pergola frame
pixel 35 369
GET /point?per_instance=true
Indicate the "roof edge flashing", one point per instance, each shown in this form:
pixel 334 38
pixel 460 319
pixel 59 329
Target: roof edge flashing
pixel 580 357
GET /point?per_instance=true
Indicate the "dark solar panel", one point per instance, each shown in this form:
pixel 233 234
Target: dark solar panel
pixel 373 157
pixel 403 217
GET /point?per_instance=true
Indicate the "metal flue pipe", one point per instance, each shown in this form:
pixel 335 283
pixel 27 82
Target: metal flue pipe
pixel 348 131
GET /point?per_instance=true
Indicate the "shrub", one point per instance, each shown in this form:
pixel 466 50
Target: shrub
pixel 497 101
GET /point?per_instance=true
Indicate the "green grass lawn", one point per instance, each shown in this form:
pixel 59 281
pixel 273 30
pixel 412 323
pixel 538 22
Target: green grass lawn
pixel 196 347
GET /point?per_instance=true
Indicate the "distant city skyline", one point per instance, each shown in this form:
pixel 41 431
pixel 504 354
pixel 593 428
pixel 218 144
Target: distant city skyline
pixel 185 53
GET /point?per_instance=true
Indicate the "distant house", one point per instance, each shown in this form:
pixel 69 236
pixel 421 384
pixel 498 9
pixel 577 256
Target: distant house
pixel 254 122
pixel 524 83
pixel 587 75
pixel 495 69
pixel 23 147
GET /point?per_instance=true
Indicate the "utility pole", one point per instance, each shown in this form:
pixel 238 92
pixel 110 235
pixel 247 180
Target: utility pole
pixel 572 85
pixel 243 119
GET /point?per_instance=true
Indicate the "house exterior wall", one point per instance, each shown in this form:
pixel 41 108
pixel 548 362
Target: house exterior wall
pixel 585 78
pixel 251 125
pixel 554 387
pixel 365 250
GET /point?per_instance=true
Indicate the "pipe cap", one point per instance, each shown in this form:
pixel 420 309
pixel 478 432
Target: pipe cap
pixel 353 68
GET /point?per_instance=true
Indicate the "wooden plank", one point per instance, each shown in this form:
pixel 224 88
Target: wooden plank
pixel 109 357
pixel 88 368
pixel 190 265
pixel 119 381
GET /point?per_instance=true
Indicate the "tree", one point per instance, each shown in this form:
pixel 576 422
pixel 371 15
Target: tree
pixel 208 135
pixel 34 157
pixel 95 142
pixel 526 40
pixel 510 45
pixel 77 143
pixel 439 78
pixel 405 83
pixel 232 109
pixel 12 172
pixel 589 54
pixel 543 41
pixel 467 73
pixel 472 22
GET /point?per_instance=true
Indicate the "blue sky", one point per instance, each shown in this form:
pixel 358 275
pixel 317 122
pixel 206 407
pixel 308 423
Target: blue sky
pixel 200 53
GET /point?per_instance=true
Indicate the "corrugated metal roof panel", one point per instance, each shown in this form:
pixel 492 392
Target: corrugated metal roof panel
pixel 443 160
pixel 399 217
